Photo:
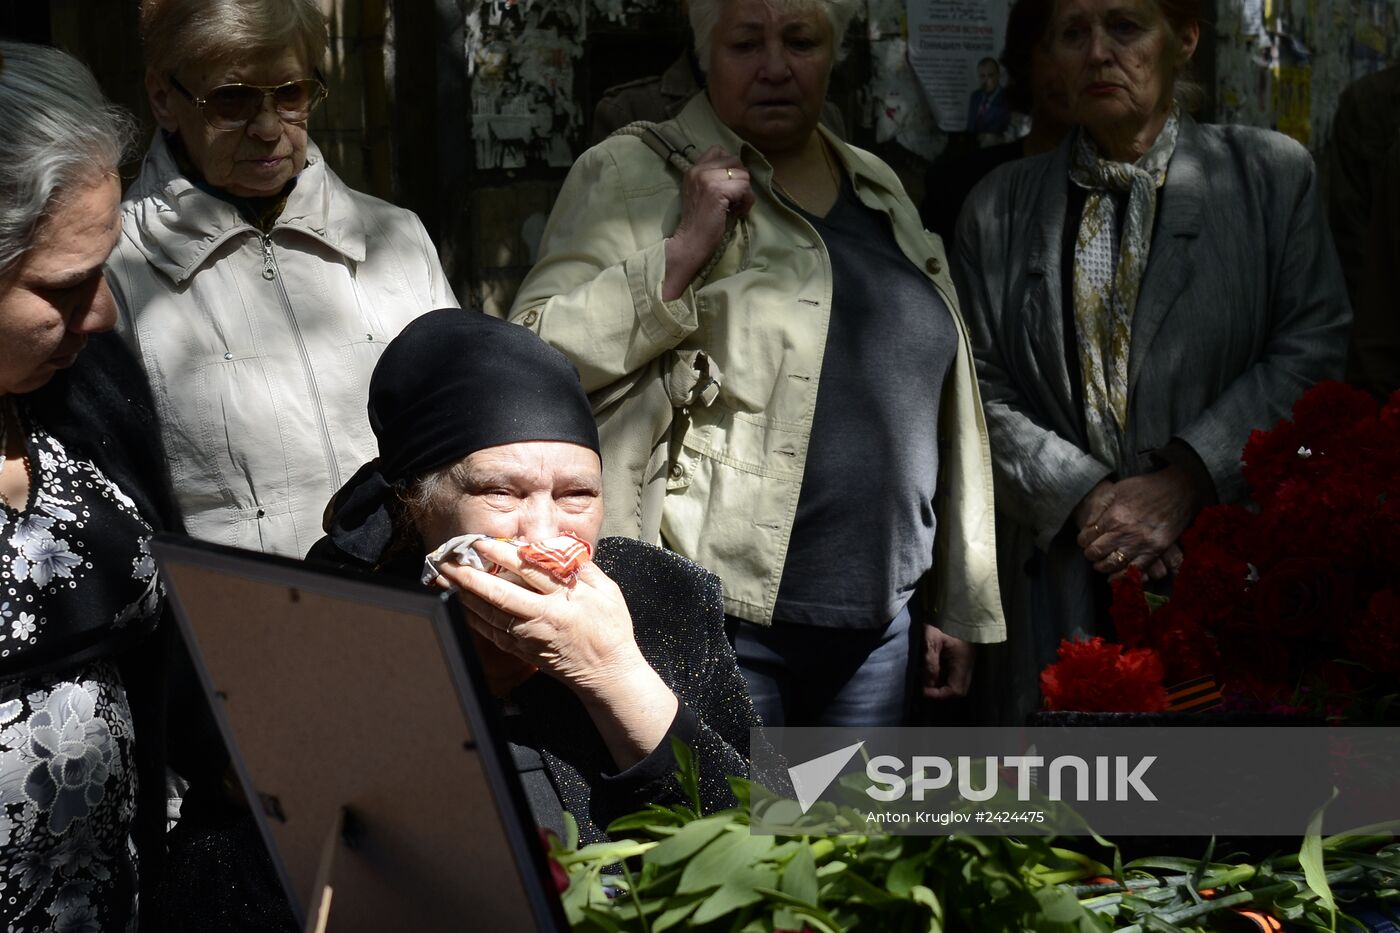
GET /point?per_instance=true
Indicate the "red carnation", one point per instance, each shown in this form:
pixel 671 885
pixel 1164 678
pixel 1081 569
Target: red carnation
pixel 1096 676
pixel 1210 588
pixel 1315 444
pixel 1390 414
pixel 1328 408
pixel 1187 650
pixel 1129 610
pixel 1374 640
pixel 1225 526
pixel 1302 596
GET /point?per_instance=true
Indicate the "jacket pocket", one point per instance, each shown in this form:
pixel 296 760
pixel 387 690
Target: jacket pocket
pixel 233 438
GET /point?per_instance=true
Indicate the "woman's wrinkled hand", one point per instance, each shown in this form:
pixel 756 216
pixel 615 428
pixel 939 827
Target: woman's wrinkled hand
pixel 580 632
pixel 1140 523
pixel 714 188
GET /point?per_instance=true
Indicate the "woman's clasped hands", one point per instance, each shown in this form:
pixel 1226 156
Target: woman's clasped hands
pixel 1137 522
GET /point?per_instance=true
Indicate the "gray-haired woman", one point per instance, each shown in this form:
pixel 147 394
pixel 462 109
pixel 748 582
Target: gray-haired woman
pixel 257 289
pixel 838 458
pixel 82 487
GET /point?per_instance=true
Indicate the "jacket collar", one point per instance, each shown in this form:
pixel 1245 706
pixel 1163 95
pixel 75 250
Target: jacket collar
pixel 178 227
pixel 1182 205
pixel 1171 262
pixel 679 79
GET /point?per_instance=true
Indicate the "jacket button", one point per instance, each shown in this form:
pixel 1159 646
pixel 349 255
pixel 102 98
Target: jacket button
pixel 531 317
pixel 262 513
pixel 677 470
pixel 228 356
pixel 933 266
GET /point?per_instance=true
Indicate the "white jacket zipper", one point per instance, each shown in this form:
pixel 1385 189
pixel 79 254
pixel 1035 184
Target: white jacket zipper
pixel 270 273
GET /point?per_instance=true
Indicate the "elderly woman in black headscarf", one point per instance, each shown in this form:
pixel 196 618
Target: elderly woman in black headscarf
pixel 484 429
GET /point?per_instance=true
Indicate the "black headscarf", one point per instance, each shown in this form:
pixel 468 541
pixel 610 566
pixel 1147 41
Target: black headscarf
pixel 452 383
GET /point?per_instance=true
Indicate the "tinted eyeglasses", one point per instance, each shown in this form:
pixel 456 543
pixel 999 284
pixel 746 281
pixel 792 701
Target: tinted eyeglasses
pixel 233 106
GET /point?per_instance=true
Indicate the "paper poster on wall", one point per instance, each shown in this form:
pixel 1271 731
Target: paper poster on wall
pixel 953 49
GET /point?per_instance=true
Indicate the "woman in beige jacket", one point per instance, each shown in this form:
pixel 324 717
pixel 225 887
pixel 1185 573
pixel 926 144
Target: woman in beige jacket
pixel 828 453
pixel 256 288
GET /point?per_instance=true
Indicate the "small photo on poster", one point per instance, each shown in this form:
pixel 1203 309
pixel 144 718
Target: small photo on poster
pixel 988 110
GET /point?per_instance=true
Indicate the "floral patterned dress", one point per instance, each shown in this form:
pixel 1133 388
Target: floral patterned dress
pixel 75 570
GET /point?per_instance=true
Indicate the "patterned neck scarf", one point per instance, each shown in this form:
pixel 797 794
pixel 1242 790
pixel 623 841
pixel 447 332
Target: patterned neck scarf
pixel 1108 273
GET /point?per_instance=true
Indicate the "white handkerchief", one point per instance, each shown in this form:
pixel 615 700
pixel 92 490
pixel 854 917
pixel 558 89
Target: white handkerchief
pixel 459 550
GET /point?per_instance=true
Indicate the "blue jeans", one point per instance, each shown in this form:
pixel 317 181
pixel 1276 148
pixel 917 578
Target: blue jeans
pixel 806 675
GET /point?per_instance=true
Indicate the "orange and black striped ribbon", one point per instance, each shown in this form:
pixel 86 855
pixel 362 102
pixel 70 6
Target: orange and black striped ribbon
pixel 1194 696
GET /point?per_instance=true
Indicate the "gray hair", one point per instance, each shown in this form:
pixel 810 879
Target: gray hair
pixel 422 495
pixel 704 17
pixel 57 131
pixel 414 500
pixel 177 33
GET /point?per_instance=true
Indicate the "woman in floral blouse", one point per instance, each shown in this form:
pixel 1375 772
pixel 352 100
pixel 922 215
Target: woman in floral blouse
pixel 79 596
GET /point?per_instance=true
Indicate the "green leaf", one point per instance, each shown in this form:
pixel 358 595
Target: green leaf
pixel 782 813
pixel 1169 863
pixel 819 918
pixel 687 774
pixel 604 853
pixel 631 823
pixel 677 910
pixel 1314 870
pixel 735 893
pixel 691 839
pixel 576 897
pixel 1059 909
pixel 785 919
pixel 570 831
pixel 723 858
pixel 866 891
pixel 603 918
pixel 742 790
pixel 1158 925
pixel 800 876
pixel 924 896
pixel 904 874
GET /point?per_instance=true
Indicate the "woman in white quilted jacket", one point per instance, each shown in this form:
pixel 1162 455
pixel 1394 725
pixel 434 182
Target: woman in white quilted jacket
pixel 256 288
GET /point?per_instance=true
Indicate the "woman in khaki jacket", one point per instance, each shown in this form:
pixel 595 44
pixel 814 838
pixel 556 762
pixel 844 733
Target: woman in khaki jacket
pixel 828 453
pixel 256 288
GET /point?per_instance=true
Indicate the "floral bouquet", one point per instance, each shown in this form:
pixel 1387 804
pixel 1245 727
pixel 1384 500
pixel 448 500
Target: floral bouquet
pixel 1289 606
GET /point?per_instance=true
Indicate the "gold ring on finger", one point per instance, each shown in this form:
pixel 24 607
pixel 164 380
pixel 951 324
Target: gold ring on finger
pixel 729 173
pixel 1118 557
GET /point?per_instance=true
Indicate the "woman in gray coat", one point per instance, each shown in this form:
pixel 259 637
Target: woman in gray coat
pixel 1140 299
